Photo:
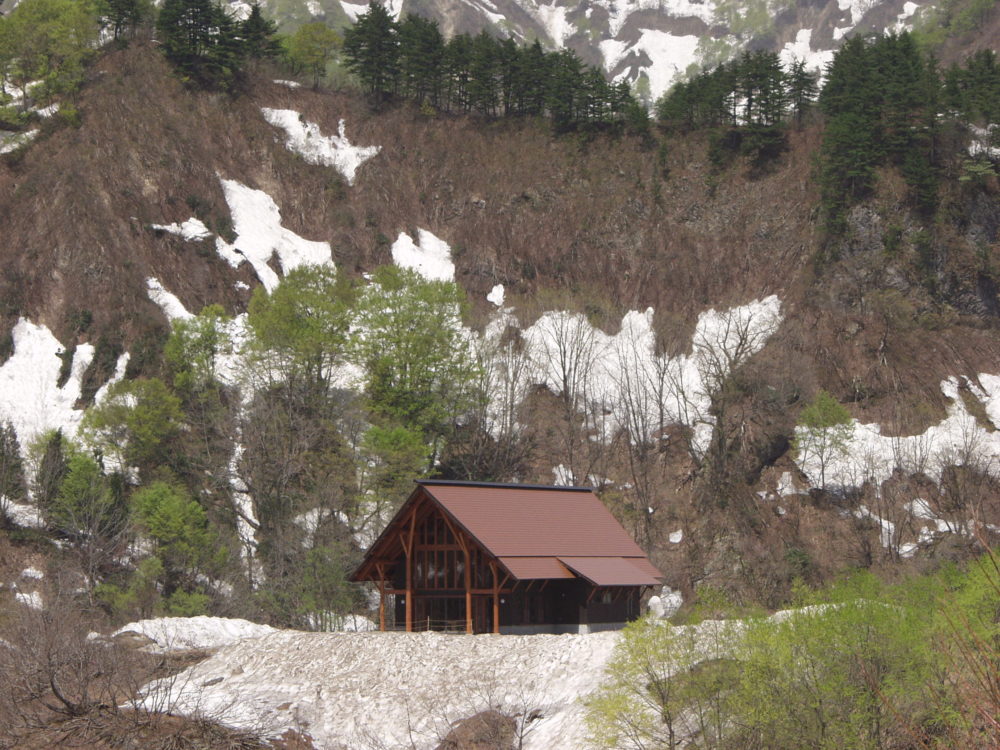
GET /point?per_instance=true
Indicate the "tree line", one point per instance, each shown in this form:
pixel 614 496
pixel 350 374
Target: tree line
pixel 411 59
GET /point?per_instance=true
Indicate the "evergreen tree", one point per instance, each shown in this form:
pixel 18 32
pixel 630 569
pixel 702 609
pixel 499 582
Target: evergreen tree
pixel 201 41
pixel 564 94
pixel 803 86
pixel 12 485
pixel 421 60
pixel 124 16
pixel 259 35
pixel 371 52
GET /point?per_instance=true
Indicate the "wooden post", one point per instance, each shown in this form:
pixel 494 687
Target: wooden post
pixel 409 570
pixel 380 569
pixel 496 597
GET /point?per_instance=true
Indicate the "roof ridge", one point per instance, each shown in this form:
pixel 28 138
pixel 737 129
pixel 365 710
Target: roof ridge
pixel 506 485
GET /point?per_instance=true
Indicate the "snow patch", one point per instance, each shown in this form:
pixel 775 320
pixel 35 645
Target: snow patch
pixel 289 84
pixel 172 307
pixel 259 236
pixel 29 599
pixel 30 397
pixel 801 49
pixel 676 537
pixel 870 456
pixel 192 230
pixel 188 633
pixel 669 57
pixel 13 141
pixel 306 139
pixel 857 8
pixel 33 573
pixel 553 20
pixel 429 256
pixel 496 295
pixel 666 603
pixel 563 477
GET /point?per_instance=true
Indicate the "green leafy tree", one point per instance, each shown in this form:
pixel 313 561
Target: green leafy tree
pixel 418 368
pixel 311 49
pixel 194 346
pixel 138 423
pixel 182 539
pixel 89 511
pixel 825 428
pixel 50 41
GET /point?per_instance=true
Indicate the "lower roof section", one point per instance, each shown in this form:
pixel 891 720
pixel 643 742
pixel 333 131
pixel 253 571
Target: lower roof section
pixel 599 571
pixel 535 568
pixel 612 571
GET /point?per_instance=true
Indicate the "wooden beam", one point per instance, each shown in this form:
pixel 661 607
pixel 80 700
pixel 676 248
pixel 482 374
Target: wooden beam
pixel 464 544
pixel 380 569
pixel 591 594
pixel 496 597
pixel 408 548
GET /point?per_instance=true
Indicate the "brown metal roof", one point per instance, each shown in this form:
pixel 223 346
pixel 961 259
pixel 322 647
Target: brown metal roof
pixel 535 568
pixel 610 571
pixel 524 521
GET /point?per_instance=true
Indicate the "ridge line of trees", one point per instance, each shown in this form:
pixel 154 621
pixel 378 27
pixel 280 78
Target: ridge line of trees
pixel 410 59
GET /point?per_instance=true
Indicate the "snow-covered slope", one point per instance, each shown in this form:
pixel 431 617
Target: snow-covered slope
pixel 394 690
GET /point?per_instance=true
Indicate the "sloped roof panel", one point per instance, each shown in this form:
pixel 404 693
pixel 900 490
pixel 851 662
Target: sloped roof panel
pixel 518 521
pixel 609 571
pixel 535 568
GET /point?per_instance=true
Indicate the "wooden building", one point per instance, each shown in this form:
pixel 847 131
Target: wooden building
pixel 505 558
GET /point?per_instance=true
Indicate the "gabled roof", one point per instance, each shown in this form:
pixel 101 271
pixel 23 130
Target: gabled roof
pixel 536 531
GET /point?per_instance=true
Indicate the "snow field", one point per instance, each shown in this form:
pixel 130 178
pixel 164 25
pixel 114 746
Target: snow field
pixel 13 141
pixel 361 690
pixel 192 230
pixel 870 456
pixel 260 235
pixel 189 633
pixel 304 138
pixel 30 396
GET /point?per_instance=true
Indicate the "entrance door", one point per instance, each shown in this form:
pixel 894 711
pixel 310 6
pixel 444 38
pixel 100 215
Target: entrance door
pixel 482 614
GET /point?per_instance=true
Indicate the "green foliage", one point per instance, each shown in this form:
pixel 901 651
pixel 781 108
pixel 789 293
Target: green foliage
pixel 881 103
pixel 311 49
pixel 824 431
pixel 178 528
pixel 193 346
pixel 418 369
pixel 483 74
pixel 49 41
pixel 860 664
pixel 259 35
pixel 202 42
pixel 300 330
pixel 138 422
pixel 13 487
pixel 124 16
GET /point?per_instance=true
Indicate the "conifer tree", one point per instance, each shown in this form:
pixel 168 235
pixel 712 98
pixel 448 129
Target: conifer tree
pixel 371 52
pixel 260 35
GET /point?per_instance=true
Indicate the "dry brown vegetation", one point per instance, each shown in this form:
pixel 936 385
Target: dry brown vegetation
pixel 589 222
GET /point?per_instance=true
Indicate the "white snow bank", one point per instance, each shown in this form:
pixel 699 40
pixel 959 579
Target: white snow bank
pixel 669 57
pixel 496 295
pixel 192 230
pixel 429 256
pixel 665 604
pixel 187 633
pixel 620 381
pixel 172 307
pixel 801 49
pixel 33 573
pixel 29 599
pixel 25 515
pixel 13 141
pixel 30 397
pixel 305 139
pixel 870 456
pixel 289 84
pixel 259 236
pixel 385 689
pixel 676 537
